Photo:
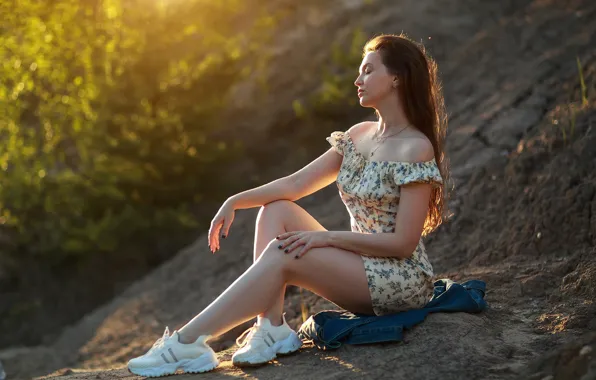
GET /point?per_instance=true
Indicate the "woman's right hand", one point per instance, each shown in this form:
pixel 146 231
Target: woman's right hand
pixel 220 225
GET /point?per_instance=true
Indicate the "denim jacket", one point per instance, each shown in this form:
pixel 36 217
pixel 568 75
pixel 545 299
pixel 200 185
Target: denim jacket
pixel 329 329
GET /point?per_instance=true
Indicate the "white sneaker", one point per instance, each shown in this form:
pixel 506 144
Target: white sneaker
pixel 168 355
pixel 264 342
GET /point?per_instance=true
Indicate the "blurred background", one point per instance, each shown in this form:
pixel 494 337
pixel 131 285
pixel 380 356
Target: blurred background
pixel 125 124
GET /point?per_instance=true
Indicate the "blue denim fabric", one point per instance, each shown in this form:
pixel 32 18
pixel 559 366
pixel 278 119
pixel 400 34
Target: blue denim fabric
pixel 329 329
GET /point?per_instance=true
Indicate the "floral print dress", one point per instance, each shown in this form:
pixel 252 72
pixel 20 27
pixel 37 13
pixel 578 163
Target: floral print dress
pixel 370 191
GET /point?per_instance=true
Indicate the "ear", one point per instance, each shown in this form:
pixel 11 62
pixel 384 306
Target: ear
pixel 395 82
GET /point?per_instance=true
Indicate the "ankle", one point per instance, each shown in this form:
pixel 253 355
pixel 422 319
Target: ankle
pixel 275 321
pixel 187 338
pixel 182 338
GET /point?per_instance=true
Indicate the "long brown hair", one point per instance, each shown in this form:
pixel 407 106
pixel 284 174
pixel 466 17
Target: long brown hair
pixel 422 99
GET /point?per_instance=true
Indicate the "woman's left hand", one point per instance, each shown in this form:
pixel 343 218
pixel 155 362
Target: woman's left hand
pixel 300 242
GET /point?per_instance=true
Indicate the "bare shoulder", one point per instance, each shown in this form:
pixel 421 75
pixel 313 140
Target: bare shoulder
pixel 361 128
pixel 417 149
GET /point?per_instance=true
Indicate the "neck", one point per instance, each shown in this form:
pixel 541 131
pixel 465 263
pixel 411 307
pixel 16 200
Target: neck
pixel 392 118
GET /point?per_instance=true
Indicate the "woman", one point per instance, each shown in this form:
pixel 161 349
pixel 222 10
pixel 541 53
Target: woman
pixel 390 174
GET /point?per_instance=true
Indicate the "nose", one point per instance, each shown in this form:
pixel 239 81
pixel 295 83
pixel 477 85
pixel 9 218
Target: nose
pixel 358 81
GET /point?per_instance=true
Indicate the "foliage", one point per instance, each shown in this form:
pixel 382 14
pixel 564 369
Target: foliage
pixel 572 109
pixel 337 90
pixel 582 83
pixel 106 115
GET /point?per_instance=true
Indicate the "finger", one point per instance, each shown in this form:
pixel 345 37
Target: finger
pixel 221 233
pixel 303 251
pixel 212 241
pixel 286 235
pixel 227 225
pixel 216 237
pixel 210 235
pixel 285 245
pixel 225 229
pixel 210 238
pixel 294 246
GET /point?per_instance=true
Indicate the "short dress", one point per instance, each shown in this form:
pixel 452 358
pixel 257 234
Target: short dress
pixel 370 190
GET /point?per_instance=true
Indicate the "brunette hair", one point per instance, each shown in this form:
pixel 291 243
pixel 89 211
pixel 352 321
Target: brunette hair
pixel 422 100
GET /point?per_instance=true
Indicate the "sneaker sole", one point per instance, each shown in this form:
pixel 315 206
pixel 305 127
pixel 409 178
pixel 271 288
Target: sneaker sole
pixel 204 363
pixel 284 347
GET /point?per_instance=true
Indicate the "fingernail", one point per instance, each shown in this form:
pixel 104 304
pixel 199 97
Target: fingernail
pixel 223 236
pixel 279 246
pixel 285 250
pixel 277 237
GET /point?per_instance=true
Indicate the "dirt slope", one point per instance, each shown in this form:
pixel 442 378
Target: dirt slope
pixel 524 221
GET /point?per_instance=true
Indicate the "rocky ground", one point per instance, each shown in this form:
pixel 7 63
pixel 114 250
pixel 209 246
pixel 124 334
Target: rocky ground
pixel 524 216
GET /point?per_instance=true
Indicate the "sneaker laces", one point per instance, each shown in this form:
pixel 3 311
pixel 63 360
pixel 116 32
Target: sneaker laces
pixel 252 333
pixel 161 341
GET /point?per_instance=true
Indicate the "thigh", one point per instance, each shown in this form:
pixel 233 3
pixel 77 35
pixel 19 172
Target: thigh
pixel 291 216
pixel 335 274
pixel 281 216
pixel 332 273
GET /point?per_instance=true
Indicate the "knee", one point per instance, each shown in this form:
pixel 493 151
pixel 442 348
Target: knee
pixel 275 208
pixel 276 258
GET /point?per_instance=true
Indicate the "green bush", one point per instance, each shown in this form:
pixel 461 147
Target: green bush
pixel 106 116
pixel 337 91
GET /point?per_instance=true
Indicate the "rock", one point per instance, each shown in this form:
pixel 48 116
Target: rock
pixel 585 350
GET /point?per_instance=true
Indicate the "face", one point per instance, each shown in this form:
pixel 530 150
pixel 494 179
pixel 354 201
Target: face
pixel 374 82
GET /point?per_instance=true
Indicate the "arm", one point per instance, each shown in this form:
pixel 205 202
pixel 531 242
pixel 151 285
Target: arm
pixel 311 178
pixel 314 176
pixel 411 214
pixel 318 174
pixel 410 218
pixel 281 188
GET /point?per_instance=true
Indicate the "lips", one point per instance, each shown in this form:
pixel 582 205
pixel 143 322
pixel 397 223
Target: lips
pixel 360 92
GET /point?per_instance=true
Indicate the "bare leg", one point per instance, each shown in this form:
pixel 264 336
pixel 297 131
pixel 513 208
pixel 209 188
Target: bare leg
pixel 333 273
pixel 276 218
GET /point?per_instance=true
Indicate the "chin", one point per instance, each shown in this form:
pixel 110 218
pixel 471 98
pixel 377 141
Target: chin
pixel 365 103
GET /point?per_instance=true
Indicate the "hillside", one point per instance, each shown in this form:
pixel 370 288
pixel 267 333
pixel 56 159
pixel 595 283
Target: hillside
pixel 524 212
